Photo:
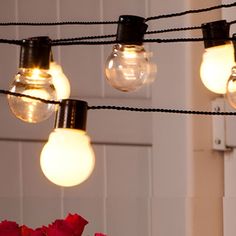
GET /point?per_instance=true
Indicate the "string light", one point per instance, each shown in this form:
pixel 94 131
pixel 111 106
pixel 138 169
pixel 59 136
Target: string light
pixel 218 58
pixel 33 79
pixel 67 159
pixel 231 84
pixel 129 66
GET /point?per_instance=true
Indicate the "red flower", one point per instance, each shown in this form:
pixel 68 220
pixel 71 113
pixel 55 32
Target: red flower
pixel 72 225
pixel 25 231
pixel 77 223
pixel 59 228
pixel 9 228
pixel 39 232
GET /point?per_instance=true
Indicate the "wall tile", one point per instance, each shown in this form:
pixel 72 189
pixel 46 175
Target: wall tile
pixel 169 216
pixel 121 126
pixel 10 209
pixel 127 216
pixel 10 176
pixel 38 211
pixel 172 151
pixel 37 11
pixel 82 64
pixel 127 171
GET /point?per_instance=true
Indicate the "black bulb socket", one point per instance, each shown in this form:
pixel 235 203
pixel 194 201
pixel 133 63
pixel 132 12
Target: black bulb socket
pixel 215 33
pixel 234 44
pixel 35 53
pixel 72 114
pixel 131 30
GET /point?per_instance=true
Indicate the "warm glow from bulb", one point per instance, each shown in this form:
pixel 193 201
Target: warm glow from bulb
pixel 129 67
pixel 36 74
pixel 216 67
pixel 38 93
pixel 130 53
pixel 32 103
pixel 36 83
pixel 60 81
pixel 67 159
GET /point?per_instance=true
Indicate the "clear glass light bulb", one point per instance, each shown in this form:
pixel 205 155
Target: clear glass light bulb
pixel 216 67
pixel 67 159
pixel 37 83
pixel 231 88
pixel 128 67
pixel 60 81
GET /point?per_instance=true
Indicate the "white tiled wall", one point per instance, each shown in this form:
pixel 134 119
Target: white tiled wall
pixel 142 183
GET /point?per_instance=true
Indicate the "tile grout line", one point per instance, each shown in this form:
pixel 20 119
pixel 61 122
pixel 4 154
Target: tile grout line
pixel 21 184
pixel 105 187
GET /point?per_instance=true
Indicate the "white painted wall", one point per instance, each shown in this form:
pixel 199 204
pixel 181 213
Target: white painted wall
pixel 145 181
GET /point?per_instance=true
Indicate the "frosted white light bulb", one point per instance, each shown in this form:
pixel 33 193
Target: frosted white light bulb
pixel 36 83
pixel 67 159
pixel 129 67
pixel 60 81
pixel 231 88
pixel 216 67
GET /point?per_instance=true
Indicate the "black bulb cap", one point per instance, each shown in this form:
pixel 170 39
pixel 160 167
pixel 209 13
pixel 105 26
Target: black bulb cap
pixel 35 52
pixel 131 30
pixel 234 43
pixel 215 33
pixel 72 114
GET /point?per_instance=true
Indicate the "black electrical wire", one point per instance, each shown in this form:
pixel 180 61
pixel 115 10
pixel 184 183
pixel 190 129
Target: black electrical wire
pixel 116 22
pixel 28 96
pixel 161 110
pixel 191 11
pixel 55 41
pixel 57 23
pixel 174 40
pixel 123 108
pixel 11 41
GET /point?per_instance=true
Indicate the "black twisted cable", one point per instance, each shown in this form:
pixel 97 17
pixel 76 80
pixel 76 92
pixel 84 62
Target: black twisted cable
pixel 232 22
pixel 11 41
pixel 160 110
pixel 123 108
pixel 28 96
pixel 84 38
pixel 173 30
pixel 191 11
pixel 56 41
pixel 116 22
pixel 57 23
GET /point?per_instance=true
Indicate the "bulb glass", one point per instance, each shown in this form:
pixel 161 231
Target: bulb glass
pixel 129 67
pixel 67 159
pixel 216 67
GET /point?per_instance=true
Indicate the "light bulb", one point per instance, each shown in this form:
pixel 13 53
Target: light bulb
pixel 67 159
pixel 216 67
pixel 34 80
pixel 231 88
pixel 218 58
pixel 36 83
pixel 129 67
pixel 60 81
